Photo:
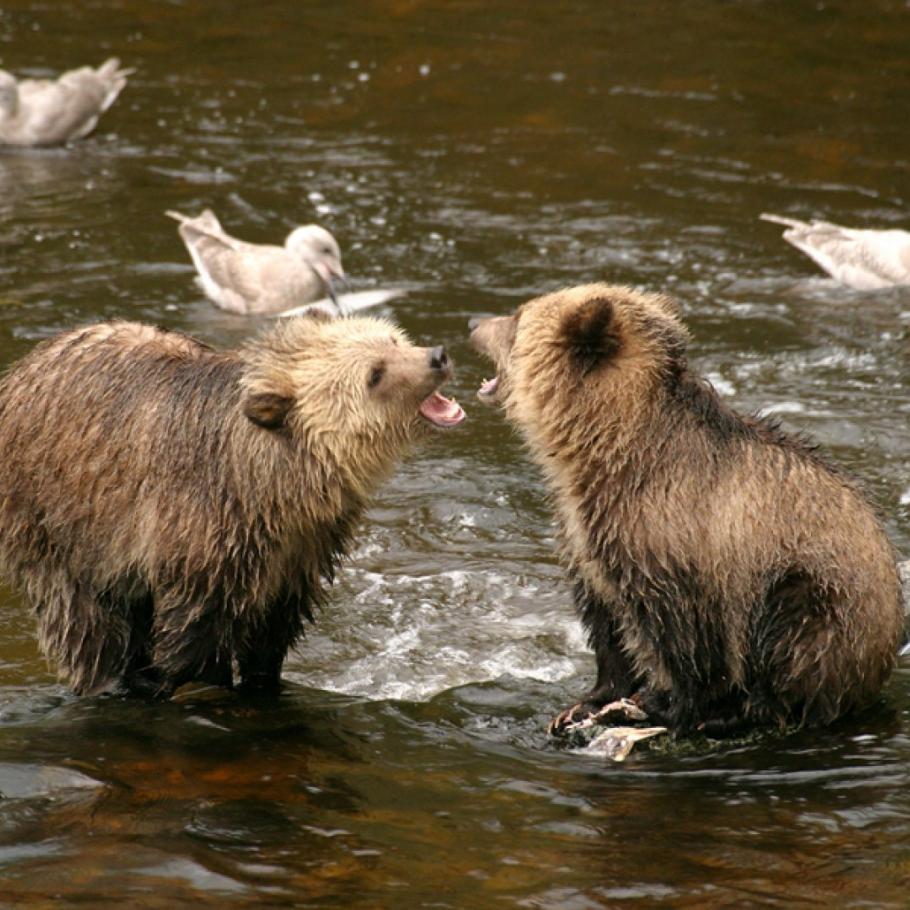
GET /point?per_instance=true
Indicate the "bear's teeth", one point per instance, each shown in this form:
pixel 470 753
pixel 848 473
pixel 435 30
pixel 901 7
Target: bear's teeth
pixel 488 386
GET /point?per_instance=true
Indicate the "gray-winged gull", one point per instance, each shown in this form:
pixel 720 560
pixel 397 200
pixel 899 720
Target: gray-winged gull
pixel 866 260
pixel 53 111
pixel 261 278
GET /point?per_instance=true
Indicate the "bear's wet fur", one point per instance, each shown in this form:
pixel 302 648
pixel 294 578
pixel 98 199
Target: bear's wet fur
pixel 174 513
pixel 726 573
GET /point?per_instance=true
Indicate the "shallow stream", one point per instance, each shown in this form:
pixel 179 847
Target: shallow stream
pixel 475 154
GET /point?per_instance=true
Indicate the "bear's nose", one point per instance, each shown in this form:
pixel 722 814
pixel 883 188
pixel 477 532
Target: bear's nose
pixel 474 321
pixel 439 360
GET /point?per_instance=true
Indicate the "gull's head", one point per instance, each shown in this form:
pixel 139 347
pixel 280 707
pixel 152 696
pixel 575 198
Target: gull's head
pixel 319 250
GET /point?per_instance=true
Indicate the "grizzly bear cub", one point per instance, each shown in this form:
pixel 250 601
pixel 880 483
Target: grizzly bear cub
pixel 725 573
pixel 173 512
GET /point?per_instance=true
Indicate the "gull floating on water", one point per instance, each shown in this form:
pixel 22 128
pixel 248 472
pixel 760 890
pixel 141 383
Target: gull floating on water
pixel 54 111
pixel 866 260
pixel 261 278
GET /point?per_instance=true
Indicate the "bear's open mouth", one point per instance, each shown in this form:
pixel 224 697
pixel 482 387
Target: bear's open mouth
pixel 441 411
pixel 488 389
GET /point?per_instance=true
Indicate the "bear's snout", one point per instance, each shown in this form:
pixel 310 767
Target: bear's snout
pixel 493 336
pixel 476 326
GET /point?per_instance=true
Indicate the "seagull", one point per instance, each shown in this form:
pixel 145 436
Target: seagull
pixel 866 260
pixel 261 278
pixel 55 111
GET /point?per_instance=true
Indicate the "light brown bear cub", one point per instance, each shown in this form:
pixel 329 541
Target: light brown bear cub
pixel 725 573
pixel 173 512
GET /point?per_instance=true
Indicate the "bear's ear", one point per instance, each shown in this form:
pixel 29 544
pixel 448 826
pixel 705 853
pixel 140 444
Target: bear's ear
pixel 267 409
pixel 590 333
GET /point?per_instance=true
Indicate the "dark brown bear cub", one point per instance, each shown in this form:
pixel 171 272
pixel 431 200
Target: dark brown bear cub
pixel 173 512
pixel 726 574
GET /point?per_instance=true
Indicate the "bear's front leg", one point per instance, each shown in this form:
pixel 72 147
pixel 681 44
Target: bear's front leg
pixel 260 659
pixel 192 640
pixel 260 670
pixel 687 709
pixel 616 678
pixel 267 641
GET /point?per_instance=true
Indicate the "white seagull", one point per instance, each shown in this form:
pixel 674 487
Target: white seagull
pixel 261 278
pixel 866 260
pixel 55 111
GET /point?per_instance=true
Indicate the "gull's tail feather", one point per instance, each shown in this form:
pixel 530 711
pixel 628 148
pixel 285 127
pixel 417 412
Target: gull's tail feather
pixel 780 219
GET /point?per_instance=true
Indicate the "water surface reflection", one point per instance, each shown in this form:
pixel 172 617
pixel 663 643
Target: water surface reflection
pixel 475 155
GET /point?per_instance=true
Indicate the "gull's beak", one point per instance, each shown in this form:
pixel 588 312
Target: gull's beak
pixel 332 276
pixel 329 283
pixel 337 279
pixel 337 276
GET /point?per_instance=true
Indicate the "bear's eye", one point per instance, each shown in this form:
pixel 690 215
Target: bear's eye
pixel 376 375
pixel 327 250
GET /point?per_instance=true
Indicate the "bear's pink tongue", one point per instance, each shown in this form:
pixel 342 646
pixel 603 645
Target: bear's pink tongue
pixel 442 411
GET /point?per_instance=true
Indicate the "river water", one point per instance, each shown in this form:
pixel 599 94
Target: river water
pixel 475 154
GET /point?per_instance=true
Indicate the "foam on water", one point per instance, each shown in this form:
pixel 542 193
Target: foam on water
pixel 410 637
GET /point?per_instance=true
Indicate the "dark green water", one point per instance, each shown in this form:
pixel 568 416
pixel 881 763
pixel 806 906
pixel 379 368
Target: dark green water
pixel 476 154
